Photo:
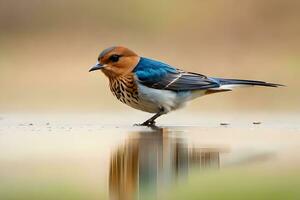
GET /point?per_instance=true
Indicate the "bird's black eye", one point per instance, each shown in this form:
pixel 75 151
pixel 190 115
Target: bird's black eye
pixel 114 58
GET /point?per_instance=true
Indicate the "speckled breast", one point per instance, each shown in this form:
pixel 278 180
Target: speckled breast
pixel 125 89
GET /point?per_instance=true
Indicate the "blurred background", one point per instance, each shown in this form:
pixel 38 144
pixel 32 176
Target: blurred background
pixel 47 48
pixel 89 150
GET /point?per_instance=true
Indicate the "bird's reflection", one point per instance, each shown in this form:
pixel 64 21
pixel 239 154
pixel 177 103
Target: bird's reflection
pixel 150 161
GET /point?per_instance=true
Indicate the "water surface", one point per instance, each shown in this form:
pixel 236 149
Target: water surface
pixel 84 160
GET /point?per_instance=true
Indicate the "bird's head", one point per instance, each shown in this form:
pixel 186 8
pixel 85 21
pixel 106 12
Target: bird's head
pixel 116 61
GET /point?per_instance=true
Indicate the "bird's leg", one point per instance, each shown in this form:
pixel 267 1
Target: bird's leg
pixel 151 121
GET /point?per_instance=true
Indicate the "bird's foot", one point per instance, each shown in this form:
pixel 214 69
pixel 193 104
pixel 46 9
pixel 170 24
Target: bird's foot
pixel 149 123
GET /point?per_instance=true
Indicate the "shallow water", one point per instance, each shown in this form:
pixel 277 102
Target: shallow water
pixel 110 162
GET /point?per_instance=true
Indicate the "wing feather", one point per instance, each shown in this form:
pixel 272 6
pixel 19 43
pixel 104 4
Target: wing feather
pixel 159 75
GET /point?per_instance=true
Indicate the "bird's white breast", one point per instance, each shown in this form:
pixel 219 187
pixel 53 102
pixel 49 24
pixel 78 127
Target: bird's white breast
pixel 153 100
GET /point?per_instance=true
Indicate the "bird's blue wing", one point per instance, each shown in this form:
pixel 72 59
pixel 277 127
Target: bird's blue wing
pixel 159 75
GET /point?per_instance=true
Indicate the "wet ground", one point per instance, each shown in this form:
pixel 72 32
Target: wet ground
pixel 79 158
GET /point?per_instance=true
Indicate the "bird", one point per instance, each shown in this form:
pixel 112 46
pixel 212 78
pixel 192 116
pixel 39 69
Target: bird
pixel 156 87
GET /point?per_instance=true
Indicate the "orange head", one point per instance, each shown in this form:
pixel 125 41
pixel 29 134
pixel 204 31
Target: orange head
pixel 116 61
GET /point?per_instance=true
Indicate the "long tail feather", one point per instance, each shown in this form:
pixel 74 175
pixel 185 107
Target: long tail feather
pixel 246 82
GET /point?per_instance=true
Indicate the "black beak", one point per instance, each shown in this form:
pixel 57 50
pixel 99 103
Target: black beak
pixel 96 67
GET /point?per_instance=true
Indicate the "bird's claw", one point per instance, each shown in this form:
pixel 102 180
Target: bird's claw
pixel 148 123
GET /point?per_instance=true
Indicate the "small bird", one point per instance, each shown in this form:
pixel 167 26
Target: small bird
pixel 156 87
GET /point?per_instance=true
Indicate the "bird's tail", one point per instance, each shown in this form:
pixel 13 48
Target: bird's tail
pixel 232 83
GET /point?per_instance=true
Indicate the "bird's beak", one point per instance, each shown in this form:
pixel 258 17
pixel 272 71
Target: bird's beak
pixel 96 67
